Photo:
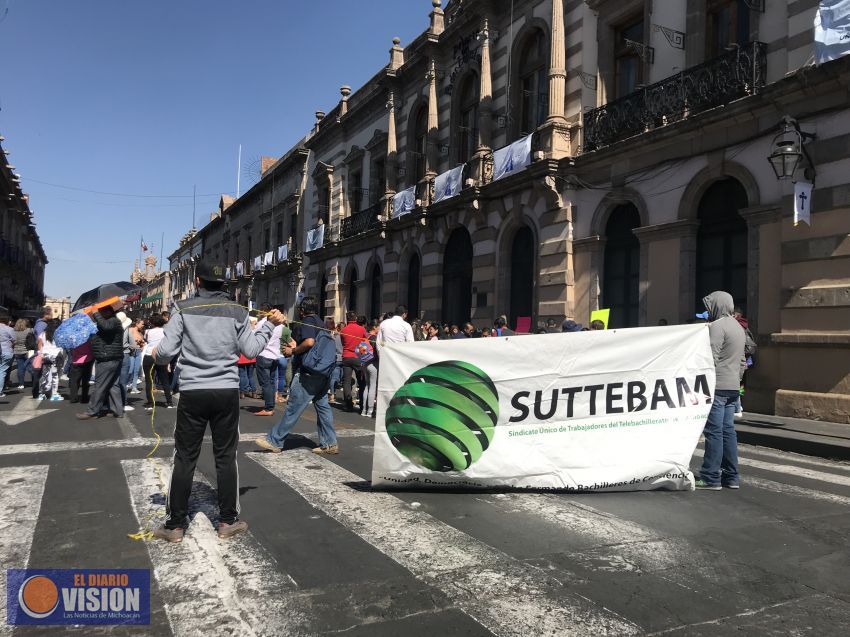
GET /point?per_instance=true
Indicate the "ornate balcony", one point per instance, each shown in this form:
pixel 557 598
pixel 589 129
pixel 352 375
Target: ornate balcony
pixel 361 222
pixel 718 81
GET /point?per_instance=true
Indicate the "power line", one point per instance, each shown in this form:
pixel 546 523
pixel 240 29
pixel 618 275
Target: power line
pixel 120 194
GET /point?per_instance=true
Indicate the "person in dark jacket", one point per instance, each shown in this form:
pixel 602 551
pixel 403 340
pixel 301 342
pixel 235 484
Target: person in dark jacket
pixel 108 349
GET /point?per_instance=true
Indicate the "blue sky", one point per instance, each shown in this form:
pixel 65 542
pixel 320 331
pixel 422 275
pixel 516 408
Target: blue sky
pixel 149 98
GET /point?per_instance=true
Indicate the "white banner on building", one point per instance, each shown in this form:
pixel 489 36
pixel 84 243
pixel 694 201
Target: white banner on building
pixel 447 184
pixel 614 410
pixel 803 203
pixel 404 202
pixel 511 159
pixel 315 238
pixel 282 253
pixel 832 30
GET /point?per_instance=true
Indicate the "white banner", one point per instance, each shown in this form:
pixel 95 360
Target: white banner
pixel 614 410
pixel 803 203
pixel 832 30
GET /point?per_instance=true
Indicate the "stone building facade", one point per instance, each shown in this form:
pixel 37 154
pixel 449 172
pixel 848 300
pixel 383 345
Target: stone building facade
pixel 547 158
pixel 22 258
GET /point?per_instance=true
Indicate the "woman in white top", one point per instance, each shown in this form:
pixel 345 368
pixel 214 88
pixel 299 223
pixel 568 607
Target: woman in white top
pixel 152 338
pixel 50 355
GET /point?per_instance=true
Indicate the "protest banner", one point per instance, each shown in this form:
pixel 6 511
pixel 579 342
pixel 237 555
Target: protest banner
pixel 614 410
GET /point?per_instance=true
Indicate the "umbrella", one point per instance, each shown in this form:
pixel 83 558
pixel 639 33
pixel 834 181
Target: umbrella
pixel 104 292
pixel 74 331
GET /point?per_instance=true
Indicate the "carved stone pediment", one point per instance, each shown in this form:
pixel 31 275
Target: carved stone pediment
pixel 322 170
pixel 354 156
pixel 378 141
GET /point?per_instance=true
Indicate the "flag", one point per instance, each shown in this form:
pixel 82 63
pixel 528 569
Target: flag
pixel 144 245
pixel 803 203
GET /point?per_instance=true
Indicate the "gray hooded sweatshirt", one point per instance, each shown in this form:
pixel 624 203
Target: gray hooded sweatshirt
pixel 727 340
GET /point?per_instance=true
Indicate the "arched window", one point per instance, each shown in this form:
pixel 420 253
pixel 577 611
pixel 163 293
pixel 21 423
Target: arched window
pixel 457 278
pixel 323 295
pixel 352 290
pixel 621 282
pixel 522 275
pixel 375 292
pixel 467 119
pixel 413 273
pixel 533 82
pixel 420 143
pixel 722 242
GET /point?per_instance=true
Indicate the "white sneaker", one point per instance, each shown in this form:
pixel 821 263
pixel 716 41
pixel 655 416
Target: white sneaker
pixel 56 398
pixel 2 395
pixel 20 386
pixel 40 397
pixel 63 377
pixel 129 408
pixel 135 391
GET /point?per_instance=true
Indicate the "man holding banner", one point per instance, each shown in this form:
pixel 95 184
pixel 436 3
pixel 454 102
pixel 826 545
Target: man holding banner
pixel 720 463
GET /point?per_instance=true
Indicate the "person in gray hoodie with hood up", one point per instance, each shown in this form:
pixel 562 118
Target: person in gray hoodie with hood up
pixel 720 462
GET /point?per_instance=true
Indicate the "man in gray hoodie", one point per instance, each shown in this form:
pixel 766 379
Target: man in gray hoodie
pixel 720 462
pixel 208 332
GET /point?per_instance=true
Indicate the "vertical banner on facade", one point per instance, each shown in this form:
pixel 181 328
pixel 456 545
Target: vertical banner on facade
pixel 803 203
pixel 315 238
pixel 613 410
pixel 832 30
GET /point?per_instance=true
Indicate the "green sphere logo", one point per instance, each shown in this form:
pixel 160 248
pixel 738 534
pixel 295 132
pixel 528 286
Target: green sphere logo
pixel 444 417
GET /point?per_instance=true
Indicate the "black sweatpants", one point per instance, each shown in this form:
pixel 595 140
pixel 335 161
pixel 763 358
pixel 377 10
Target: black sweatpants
pixel 149 370
pixel 78 381
pixel 350 372
pixel 198 407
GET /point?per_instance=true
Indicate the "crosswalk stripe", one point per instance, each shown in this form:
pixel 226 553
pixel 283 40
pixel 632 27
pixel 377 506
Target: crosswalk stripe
pixel 506 596
pixel 129 443
pixel 788 456
pixel 21 492
pixel 789 469
pixel 790 489
pixel 212 586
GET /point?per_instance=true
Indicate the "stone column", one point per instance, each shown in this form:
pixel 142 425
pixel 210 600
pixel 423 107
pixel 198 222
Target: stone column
pixel 480 171
pixel 390 166
pixel 555 134
pixel 432 137
pixel 756 217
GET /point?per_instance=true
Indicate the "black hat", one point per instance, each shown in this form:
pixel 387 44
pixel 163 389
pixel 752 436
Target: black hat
pixel 207 271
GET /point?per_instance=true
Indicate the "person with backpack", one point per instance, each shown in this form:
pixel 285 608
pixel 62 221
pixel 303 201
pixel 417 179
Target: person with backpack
pixel 313 362
pixel 368 352
pixel 40 326
pixel 25 345
pixel 7 347
pixel 51 356
pixel 749 351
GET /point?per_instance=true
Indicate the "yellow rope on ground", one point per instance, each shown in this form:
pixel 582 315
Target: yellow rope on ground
pixel 145 531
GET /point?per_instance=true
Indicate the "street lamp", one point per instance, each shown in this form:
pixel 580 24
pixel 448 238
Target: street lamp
pixel 785 159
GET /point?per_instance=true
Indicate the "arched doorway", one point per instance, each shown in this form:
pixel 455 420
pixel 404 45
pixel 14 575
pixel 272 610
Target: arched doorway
pixel 352 289
pixel 621 281
pixel 323 296
pixel 457 278
pixel 375 292
pixel 522 275
pixel 413 272
pixel 722 242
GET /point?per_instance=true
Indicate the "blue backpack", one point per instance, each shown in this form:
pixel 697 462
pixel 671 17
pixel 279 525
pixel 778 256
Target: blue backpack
pixel 321 359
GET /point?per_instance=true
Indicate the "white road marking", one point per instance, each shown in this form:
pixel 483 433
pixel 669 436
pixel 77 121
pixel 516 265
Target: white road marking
pixel 210 586
pixel 789 469
pixel 506 596
pixel 789 456
pixel 129 443
pixel 21 492
pixel 25 410
pixel 790 489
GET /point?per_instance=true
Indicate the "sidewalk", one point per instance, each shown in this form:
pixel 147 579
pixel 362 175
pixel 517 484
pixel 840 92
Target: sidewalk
pixel 809 437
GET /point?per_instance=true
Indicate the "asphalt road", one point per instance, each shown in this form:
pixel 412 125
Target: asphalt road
pixel 326 555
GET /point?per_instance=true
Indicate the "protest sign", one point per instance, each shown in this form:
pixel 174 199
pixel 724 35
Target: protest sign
pixel 612 410
pixel 601 315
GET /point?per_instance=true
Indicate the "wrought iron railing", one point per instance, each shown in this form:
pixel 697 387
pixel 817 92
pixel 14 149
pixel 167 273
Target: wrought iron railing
pixel 718 81
pixel 361 222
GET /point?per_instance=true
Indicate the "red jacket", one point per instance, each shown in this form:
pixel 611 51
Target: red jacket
pixel 352 335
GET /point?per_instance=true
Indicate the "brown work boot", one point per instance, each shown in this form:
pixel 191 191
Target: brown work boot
pixel 330 450
pixel 169 535
pixel 227 531
pixel 263 442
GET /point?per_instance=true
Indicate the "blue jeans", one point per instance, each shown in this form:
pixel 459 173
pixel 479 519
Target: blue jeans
pixel 336 377
pixel 246 378
pixel 720 462
pixel 266 368
pixel 135 368
pixel 5 368
pixel 282 364
pixel 299 398
pixel 24 364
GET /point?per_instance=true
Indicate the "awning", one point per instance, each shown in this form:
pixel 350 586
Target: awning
pixel 152 298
